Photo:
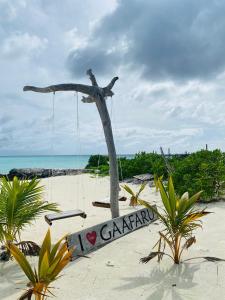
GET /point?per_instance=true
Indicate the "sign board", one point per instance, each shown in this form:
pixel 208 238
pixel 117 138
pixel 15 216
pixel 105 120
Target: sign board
pixel 92 238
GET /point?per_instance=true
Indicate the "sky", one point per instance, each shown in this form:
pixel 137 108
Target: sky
pixel 169 56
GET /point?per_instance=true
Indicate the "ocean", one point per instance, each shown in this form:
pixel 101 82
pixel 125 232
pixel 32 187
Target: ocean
pixel 49 162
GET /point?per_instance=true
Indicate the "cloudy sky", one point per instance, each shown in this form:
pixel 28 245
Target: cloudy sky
pixel 169 56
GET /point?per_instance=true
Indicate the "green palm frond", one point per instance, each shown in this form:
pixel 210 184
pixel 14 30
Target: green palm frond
pixel 21 202
pixel 51 262
pixel 134 196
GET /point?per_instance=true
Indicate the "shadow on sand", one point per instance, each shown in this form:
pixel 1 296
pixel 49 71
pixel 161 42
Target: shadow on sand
pixel 172 283
pixel 12 279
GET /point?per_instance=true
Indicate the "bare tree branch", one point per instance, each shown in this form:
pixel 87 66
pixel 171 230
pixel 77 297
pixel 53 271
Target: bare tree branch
pixel 82 88
pixel 111 84
pixel 92 77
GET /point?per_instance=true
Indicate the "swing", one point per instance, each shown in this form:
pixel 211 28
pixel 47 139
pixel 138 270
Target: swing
pixel 92 238
pixel 64 215
pixel 70 213
pixel 106 204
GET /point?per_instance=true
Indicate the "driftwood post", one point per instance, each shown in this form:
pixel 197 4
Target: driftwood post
pixel 98 96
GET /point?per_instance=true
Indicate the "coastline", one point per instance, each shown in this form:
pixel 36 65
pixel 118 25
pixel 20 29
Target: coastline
pixel 46 162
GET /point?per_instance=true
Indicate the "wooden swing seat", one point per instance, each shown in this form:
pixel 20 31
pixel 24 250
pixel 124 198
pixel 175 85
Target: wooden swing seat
pixel 64 215
pixel 106 204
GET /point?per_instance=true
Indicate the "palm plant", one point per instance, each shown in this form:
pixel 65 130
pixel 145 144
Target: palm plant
pixel 156 181
pixel 51 262
pixel 20 204
pixel 134 196
pixel 180 218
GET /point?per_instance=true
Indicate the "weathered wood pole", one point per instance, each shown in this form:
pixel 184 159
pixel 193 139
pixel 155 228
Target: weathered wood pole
pixel 98 95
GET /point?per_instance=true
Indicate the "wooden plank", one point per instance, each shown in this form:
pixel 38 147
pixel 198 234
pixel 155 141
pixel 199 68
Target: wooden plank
pixel 65 214
pixel 95 237
pixel 106 204
pixel 101 204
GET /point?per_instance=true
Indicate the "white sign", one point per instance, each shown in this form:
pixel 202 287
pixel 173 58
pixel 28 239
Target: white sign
pixel 99 235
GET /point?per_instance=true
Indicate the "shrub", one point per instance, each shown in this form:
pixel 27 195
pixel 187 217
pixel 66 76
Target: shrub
pixel 51 262
pixel 180 218
pixel 20 204
pixel 97 160
pixel 203 170
pixel 134 196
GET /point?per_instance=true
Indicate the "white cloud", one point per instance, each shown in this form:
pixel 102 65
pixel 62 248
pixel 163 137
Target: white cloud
pixel 22 45
pixel 75 40
pixel 9 9
pixel 146 114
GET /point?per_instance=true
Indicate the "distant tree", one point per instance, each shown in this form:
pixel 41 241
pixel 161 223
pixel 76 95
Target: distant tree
pixel 202 170
pixel 97 160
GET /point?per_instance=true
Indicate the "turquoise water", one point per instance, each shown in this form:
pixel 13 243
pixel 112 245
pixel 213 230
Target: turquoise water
pixel 49 162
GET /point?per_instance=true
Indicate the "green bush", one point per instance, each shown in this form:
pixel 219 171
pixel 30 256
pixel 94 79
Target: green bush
pixel 97 160
pixel 141 163
pixel 202 170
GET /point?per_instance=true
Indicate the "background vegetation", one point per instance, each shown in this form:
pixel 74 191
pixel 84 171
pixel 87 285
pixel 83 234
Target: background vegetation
pixel 202 170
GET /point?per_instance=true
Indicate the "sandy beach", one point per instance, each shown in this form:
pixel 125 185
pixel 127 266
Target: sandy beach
pixel 114 271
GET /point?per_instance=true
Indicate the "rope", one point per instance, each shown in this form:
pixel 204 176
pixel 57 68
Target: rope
pixel 77 136
pixel 52 139
pixel 80 183
pixel 77 110
pixel 114 127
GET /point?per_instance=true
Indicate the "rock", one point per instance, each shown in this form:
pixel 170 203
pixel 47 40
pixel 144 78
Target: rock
pixel 30 173
pixel 4 256
pixel 144 177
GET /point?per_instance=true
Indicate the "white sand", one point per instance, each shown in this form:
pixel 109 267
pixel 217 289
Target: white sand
pixel 114 271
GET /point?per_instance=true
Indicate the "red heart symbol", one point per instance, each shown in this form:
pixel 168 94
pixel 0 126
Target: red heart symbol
pixel 91 237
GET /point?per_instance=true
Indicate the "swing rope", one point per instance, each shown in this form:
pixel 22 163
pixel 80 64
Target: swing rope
pixel 65 214
pixel 52 139
pixel 80 184
pixel 114 126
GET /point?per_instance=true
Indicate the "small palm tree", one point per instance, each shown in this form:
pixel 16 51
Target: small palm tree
pixel 180 218
pixel 51 262
pixel 156 180
pixel 134 196
pixel 20 204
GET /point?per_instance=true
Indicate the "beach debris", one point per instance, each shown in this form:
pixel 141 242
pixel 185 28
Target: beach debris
pixel 208 258
pixel 146 259
pixel 143 177
pixel 213 259
pixel 106 203
pixel 109 264
pixel 28 248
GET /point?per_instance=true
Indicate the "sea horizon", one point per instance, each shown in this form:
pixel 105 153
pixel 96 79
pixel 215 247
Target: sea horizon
pixel 56 161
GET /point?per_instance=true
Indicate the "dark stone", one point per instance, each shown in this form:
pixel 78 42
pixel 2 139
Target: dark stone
pixel 4 256
pixel 30 173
